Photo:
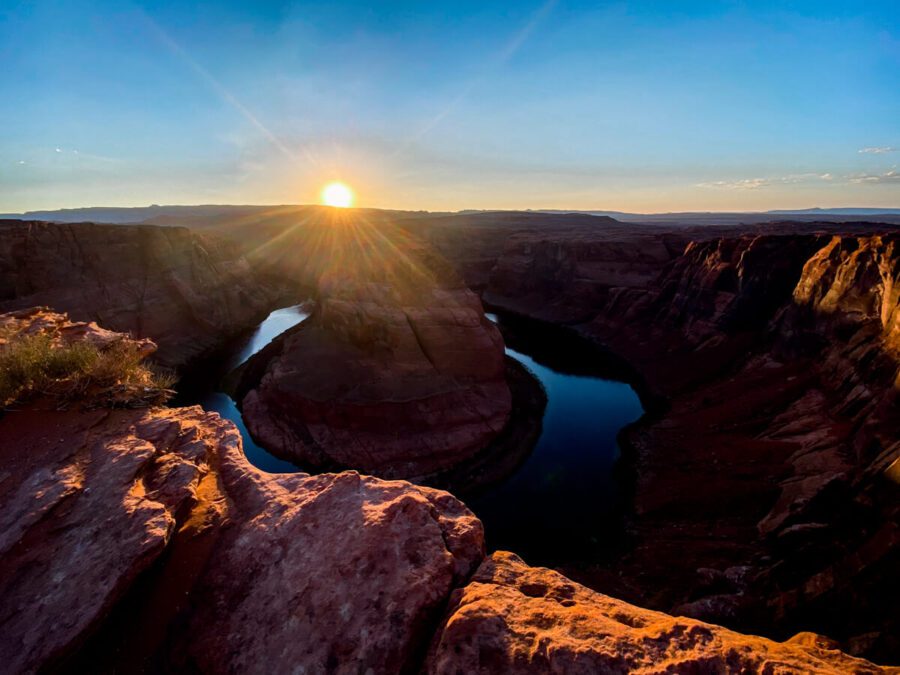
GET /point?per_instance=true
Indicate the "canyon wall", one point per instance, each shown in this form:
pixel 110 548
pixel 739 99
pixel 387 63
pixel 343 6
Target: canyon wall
pixel 765 488
pixel 189 293
pixel 143 540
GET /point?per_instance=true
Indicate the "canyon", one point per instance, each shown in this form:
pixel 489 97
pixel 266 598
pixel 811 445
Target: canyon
pixel 148 531
pixel 763 480
pixel 187 291
pixel 397 372
pixel 764 491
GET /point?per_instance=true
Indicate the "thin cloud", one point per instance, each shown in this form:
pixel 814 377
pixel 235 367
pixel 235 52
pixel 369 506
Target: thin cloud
pixel 888 177
pixel 760 183
pixel 878 150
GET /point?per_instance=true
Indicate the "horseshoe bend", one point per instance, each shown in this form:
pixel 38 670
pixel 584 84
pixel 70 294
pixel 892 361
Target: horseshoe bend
pixel 755 528
pixel 449 338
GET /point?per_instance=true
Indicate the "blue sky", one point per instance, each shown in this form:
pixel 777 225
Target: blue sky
pixel 639 106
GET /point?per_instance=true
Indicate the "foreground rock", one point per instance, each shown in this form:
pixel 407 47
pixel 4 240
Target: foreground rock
pixel 118 527
pixel 160 511
pixel 512 618
pixel 142 540
pixel 186 292
pixel 397 373
pixel 58 327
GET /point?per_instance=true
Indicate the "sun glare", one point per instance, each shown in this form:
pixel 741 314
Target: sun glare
pixel 337 194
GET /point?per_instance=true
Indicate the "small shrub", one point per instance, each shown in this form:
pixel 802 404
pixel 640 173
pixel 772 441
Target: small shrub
pixel 115 376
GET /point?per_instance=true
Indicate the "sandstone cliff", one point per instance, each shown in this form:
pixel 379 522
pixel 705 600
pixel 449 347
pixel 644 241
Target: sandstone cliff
pixel 144 541
pixel 186 292
pixel 512 618
pixel 397 372
pixel 765 492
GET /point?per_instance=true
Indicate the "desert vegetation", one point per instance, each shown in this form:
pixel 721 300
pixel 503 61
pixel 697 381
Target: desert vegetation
pixel 42 366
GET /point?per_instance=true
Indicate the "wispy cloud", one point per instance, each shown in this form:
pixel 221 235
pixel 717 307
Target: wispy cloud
pixel 760 183
pixel 892 176
pixel 878 150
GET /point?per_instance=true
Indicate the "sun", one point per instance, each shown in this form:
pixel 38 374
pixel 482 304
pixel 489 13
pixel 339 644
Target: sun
pixel 337 194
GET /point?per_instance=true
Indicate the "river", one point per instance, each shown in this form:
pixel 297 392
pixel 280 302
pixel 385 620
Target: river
pixel 562 504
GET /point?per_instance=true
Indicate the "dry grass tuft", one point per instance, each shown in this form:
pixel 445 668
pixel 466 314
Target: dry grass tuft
pixel 38 366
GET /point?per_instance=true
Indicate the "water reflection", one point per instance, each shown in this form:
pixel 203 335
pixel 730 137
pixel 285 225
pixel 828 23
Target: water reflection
pixel 563 502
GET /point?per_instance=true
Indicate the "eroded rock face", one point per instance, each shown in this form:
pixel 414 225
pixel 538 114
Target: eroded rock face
pixel 44 321
pixel 336 572
pixel 144 541
pixel 186 292
pixel 565 277
pixel 397 372
pixel 765 493
pixel 89 502
pixel 512 618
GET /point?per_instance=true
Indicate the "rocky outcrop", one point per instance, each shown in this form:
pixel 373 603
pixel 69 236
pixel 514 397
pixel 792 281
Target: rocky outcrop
pixel 119 528
pixel 512 618
pixel 159 513
pixel 186 292
pixel 144 541
pixel 397 372
pixel 58 327
pixel 770 471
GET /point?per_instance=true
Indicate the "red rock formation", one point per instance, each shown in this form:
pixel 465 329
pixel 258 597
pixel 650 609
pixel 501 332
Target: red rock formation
pixel 44 321
pixel 159 513
pixel 764 495
pixel 144 541
pixel 396 373
pixel 326 570
pixel 188 293
pixel 512 618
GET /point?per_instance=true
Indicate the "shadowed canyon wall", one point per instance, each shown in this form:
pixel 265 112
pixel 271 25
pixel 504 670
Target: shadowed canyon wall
pixel 187 292
pixel 765 493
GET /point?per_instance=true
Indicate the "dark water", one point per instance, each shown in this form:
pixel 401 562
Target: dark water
pixel 562 504
pixel 206 394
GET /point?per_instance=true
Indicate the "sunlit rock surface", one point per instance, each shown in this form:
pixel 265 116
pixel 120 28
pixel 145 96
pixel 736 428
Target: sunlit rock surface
pixel 143 540
pixel 58 327
pixel 187 292
pixel 512 618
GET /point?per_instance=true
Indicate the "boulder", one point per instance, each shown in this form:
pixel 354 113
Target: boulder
pixel 512 618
